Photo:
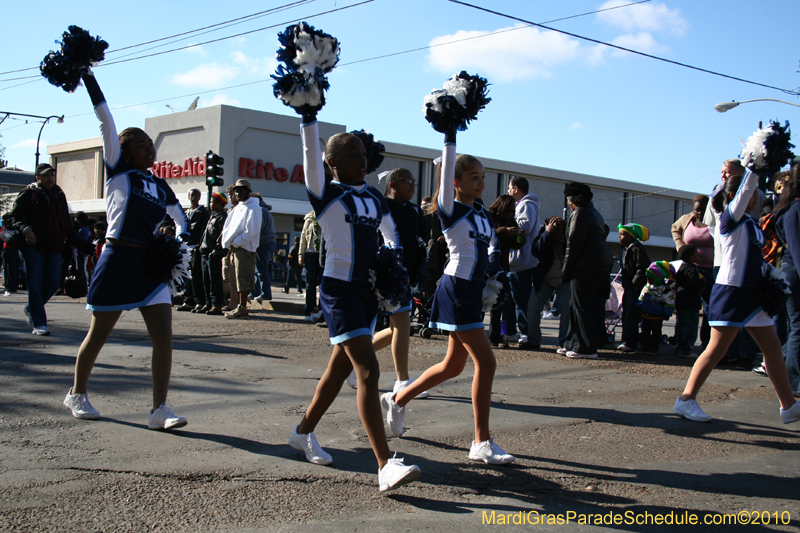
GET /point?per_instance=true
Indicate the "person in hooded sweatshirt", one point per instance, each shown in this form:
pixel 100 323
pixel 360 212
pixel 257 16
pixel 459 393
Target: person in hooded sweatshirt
pixel 522 261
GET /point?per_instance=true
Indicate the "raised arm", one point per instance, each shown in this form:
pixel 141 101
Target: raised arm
pixel 312 158
pixel 447 191
pixel 738 206
pixel 108 130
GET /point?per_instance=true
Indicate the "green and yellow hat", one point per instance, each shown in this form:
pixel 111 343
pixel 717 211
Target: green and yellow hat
pixel 638 231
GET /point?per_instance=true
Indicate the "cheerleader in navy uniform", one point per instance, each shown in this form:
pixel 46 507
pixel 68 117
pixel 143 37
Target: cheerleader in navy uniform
pixel 137 203
pixel 734 300
pixel 349 213
pixel 457 302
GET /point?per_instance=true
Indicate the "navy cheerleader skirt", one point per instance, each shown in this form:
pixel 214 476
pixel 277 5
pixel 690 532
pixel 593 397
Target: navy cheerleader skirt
pixel 120 281
pixel 457 304
pixel 350 308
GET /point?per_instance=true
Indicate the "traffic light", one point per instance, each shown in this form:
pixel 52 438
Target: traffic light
pixel 214 170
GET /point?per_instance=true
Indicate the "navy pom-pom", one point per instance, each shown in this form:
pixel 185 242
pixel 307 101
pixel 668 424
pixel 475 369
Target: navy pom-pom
pixel 389 280
pixel 374 149
pixel 772 289
pixel 167 259
pixel 78 52
pixel 308 54
pixel 453 107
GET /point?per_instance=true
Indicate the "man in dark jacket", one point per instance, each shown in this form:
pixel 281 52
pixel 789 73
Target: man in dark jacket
pixel 587 265
pixel 688 286
pixel 211 254
pixel 634 261
pixel 41 214
pixel 198 216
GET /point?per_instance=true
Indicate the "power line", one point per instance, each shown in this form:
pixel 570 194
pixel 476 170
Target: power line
pixel 575 35
pixel 109 63
pixel 219 26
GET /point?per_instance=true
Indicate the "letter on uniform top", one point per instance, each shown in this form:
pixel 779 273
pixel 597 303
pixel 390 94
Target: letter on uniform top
pixel 299 175
pixel 281 174
pixel 247 168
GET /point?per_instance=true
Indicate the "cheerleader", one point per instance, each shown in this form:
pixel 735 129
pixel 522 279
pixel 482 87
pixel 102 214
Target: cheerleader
pixel 734 302
pixel 349 213
pixel 457 301
pixel 400 187
pixel 137 203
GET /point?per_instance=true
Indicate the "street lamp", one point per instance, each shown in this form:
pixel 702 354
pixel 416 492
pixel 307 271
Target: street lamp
pixel 39 138
pixel 725 106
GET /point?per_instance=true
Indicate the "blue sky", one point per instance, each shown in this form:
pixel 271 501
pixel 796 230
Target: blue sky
pixel 558 101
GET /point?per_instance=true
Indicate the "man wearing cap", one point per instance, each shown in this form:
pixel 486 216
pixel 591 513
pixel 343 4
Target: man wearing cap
pixel 241 237
pixel 41 214
pixel 211 253
pixel 198 215
pixel 633 276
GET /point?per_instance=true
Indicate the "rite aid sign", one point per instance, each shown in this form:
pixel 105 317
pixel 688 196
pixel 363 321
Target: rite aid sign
pixel 248 168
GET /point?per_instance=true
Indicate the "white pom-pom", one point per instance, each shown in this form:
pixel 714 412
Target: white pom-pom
pixel 491 291
pixel 457 88
pixel 315 51
pixel 181 273
pixel 754 153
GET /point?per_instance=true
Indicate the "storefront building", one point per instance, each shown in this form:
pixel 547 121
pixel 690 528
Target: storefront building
pixel 265 149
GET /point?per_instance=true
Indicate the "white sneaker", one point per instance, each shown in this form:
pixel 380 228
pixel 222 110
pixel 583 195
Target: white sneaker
pixel 317 317
pixel 625 348
pixel 352 380
pixel 80 406
pixel 489 452
pixel 400 385
pixel 689 409
pixel 562 351
pixel 308 319
pixel 164 418
pixel 396 474
pixel 550 316
pixel 307 443
pixel 41 330
pixel 576 355
pixel 27 311
pixel 512 338
pixel 791 414
pixel 394 414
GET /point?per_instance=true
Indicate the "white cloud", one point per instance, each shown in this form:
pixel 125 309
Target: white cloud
pixel 257 66
pixel 197 49
pixel 25 143
pixel 650 17
pixel 576 126
pixel 220 99
pixel 209 75
pixel 640 42
pixel 512 55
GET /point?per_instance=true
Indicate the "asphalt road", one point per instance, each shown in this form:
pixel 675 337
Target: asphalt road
pixel 594 440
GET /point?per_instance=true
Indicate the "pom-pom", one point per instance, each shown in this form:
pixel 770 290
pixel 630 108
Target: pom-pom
pixel 772 289
pixel 77 53
pixel 389 280
pixel 374 149
pixel 302 91
pixel 495 292
pixel 768 149
pixel 308 55
pixel 457 104
pixel 168 259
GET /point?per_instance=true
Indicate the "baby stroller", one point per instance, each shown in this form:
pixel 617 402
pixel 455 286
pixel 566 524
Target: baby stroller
pixel 614 308
pixel 420 316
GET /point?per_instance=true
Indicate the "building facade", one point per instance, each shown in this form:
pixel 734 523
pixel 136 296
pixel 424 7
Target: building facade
pixel 265 149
